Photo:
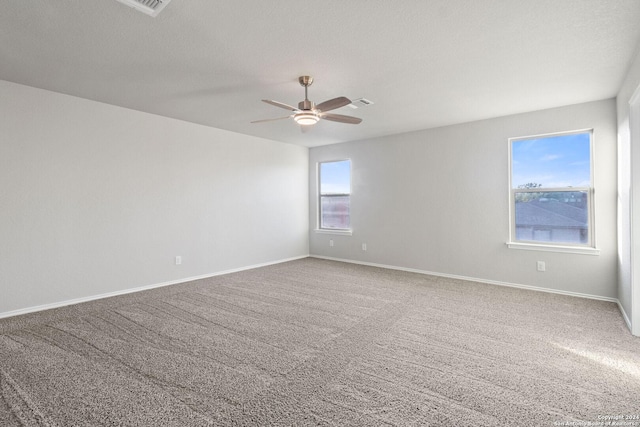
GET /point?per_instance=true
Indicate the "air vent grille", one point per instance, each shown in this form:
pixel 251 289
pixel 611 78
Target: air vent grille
pixel 360 102
pixel 149 7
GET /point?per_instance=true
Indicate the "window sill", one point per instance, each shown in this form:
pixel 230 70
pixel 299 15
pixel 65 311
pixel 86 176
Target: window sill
pixel 554 248
pixel 330 231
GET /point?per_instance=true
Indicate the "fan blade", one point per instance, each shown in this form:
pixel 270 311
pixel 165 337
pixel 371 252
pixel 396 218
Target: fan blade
pixel 334 103
pixel 340 118
pixel 271 120
pixel 281 105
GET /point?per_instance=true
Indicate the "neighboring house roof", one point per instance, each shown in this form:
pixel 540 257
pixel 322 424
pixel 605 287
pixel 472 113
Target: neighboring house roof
pixel 551 214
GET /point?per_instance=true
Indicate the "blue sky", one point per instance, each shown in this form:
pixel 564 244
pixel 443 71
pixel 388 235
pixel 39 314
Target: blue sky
pixel 555 161
pixel 335 177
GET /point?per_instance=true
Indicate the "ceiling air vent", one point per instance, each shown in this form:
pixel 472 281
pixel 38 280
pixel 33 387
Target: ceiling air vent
pixel 149 7
pixel 360 102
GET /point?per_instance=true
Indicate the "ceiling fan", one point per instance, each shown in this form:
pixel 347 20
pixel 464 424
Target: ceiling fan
pixel 308 113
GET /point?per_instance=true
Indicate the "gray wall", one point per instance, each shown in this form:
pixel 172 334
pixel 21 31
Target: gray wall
pixel 97 199
pixel 437 201
pixel 629 199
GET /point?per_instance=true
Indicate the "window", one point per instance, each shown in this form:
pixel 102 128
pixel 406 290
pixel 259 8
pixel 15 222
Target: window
pixel 552 190
pixel 335 195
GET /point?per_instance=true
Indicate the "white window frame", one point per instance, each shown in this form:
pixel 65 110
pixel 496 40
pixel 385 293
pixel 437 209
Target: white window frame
pixel 588 248
pixel 319 228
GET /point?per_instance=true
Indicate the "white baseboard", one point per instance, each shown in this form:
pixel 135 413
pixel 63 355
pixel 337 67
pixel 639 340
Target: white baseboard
pixel 624 315
pixel 139 289
pixel 250 267
pixel 474 279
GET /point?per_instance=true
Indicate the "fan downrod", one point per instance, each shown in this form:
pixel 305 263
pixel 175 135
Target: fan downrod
pixel 306 105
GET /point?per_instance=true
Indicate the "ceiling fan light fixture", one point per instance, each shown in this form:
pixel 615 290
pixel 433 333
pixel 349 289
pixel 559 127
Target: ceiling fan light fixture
pixel 306 118
pixel 308 113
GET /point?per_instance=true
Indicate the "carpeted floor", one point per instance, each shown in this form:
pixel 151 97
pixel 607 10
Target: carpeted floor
pixel 314 342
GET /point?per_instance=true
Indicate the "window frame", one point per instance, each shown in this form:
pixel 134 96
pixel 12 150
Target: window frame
pixel 581 248
pixel 319 228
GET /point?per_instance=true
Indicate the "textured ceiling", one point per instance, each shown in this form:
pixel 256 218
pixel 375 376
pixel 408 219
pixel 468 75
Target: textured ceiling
pixel 423 63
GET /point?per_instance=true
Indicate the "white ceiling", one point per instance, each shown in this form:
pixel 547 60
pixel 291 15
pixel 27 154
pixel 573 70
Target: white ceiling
pixel 423 63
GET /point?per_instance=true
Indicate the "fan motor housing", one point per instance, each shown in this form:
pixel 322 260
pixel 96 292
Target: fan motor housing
pixel 306 105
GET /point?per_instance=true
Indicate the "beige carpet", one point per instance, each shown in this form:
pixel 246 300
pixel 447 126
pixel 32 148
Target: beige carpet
pixel 314 342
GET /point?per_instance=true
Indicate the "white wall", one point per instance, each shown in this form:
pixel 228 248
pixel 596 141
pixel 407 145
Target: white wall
pixel 629 201
pixel 437 201
pixel 97 199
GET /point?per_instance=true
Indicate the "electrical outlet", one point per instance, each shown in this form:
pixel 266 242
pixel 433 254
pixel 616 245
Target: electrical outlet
pixel 541 266
pixel 364 246
pixel 331 242
pixel 178 260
